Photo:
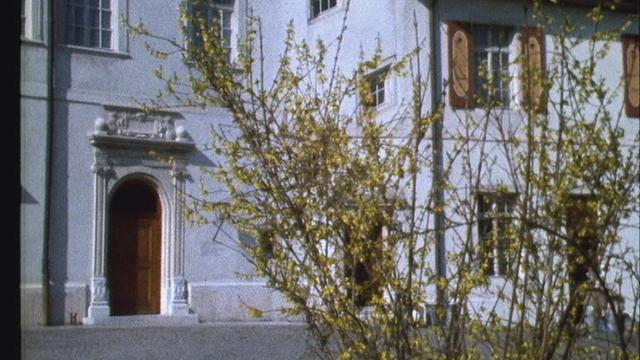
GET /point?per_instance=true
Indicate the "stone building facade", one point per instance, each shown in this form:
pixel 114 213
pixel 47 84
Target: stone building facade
pixel 90 181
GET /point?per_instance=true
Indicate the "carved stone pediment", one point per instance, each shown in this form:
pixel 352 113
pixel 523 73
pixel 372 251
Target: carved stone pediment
pixel 140 144
pixel 132 122
pixel 133 128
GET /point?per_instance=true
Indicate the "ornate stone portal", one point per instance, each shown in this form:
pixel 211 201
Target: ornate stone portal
pixel 135 144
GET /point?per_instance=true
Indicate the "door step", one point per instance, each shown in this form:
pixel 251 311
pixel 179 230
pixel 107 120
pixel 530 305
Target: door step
pixel 143 320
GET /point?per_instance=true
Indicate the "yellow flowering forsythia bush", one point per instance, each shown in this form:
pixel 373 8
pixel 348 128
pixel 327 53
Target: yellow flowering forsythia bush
pixel 340 204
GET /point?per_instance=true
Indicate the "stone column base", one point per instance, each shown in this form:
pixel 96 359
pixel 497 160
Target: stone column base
pixel 96 312
pixel 181 308
pixel 178 304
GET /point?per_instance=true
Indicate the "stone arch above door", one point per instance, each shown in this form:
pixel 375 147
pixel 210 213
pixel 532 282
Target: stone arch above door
pixel 131 145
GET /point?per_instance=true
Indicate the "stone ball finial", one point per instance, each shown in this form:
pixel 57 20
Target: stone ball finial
pixel 181 134
pixel 100 126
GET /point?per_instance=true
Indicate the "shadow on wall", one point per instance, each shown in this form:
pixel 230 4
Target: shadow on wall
pixel 59 199
pixel 198 158
pixel 26 197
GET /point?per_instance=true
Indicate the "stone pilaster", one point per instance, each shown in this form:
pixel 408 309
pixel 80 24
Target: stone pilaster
pixel 178 304
pixel 99 305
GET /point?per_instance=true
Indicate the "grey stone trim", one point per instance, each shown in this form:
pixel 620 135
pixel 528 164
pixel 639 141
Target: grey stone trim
pixel 123 149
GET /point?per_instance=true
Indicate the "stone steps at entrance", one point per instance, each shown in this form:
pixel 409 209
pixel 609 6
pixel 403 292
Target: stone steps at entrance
pixel 143 320
pixel 235 340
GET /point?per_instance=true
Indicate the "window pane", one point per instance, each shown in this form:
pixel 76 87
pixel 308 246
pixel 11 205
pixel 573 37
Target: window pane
pixel 213 17
pixel 78 36
pixel 504 63
pixel 226 19
pixel 504 80
pixel 78 16
pixel 502 37
pixel 94 18
pixel 106 4
pixel 94 38
pixel 485 234
pixel 227 38
pixel 106 39
pixel 480 61
pixel 503 258
pixel 480 36
pixel 495 73
pixel 106 20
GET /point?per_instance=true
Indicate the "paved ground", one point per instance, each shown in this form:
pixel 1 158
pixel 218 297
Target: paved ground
pixel 194 342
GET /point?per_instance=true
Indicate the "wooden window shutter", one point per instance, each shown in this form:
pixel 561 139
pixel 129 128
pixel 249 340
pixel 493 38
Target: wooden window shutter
pixel 460 58
pixel 631 63
pixel 534 94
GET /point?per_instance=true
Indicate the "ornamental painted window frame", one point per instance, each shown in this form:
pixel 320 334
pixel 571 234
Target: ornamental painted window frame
pixel 465 86
pixel 631 73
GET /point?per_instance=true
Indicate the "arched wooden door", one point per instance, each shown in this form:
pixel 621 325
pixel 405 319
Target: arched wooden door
pixel 134 251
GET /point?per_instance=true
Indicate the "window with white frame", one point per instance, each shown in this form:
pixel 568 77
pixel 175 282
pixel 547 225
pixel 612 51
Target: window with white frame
pixel 495 216
pixel 491 63
pixel 31 19
pixel 375 87
pixel 209 13
pixel 320 6
pixel 89 23
pixel 23 19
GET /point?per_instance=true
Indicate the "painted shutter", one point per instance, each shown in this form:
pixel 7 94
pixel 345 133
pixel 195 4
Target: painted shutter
pixel 460 58
pixel 534 93
pixel 631 63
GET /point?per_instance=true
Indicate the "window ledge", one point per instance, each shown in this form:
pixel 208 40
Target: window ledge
pixel 143 142
pixel 96 51
pixel 191 64
pixel 496 277
pixel 513 110
pixel 385 107
pixel 33 42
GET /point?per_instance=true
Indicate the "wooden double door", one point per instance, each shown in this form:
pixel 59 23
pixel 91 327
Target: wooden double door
pixel 134 251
